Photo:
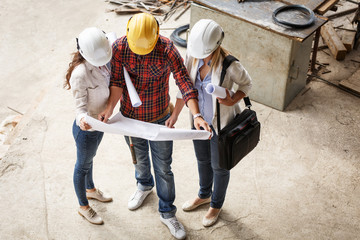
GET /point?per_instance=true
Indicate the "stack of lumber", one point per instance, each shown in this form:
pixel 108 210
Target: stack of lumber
pixel 340 39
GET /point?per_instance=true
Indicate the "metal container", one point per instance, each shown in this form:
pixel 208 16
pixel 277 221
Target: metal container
pixel 277 59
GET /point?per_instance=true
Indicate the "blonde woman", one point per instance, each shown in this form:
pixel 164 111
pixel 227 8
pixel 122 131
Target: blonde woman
pixel 204 64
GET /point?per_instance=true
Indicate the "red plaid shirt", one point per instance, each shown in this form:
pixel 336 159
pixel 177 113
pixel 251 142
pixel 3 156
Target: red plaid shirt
pixel 150 75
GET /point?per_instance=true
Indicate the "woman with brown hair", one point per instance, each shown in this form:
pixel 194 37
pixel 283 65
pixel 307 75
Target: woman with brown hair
pixel 88 78
pixel 204 62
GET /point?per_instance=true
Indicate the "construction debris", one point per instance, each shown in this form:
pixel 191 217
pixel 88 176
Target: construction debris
pixel 333 41
pixel 343 38
pixel 7 125
pixel 161 8
pixel 353 83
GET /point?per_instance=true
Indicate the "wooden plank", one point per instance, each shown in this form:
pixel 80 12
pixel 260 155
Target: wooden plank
pixel 125 10
pixel 343 13
pixel 259 13
pixel 352 83
pixel 326 6
pixel 348 40
pixel 312 4
pixel 333 41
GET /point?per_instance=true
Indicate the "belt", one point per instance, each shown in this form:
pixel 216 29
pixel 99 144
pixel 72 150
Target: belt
pixel 167 111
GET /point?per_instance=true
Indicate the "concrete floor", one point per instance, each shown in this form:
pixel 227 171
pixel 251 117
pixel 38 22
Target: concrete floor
pixel 301 182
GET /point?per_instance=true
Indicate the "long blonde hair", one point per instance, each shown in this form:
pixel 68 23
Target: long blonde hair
pixel 215 59
pixel 76 61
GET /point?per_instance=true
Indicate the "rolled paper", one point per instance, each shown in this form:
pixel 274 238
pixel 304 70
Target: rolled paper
pixel 217 91
pixel 134 97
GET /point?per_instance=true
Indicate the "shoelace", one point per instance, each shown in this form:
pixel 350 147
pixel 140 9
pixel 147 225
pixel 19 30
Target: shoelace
pixel 175 223
pixel 91 213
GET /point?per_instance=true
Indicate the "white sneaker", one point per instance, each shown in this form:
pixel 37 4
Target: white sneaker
pixel 98 195
pixel 90 215
pixel 137 199
pixel 175 227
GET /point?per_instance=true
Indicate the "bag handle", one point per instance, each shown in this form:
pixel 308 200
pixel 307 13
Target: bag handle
pixel 226 63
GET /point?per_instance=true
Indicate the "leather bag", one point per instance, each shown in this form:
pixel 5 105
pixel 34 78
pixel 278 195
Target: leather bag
pixel 241 135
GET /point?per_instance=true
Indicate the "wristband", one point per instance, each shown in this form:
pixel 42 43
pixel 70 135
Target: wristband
pixel 197 115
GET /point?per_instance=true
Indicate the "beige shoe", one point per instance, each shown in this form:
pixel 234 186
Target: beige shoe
pixel 90 215
pixel 98 195
pixel 188 205
pixel 207 222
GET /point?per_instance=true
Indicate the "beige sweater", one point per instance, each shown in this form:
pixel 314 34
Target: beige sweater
pixel 236 78
pixel 90 88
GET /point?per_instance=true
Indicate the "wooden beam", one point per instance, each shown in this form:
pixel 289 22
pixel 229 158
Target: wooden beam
pixel 353 83
pixel 343 13
pixel 333 41
pixel 326 6
pixel 348 40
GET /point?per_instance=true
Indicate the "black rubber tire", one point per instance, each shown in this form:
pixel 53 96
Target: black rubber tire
pixel 175 36
pixel 296 7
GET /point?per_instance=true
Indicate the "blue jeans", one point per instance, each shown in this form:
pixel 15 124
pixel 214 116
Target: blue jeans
pixel 210 173
pixel 161 152
pixel 87 144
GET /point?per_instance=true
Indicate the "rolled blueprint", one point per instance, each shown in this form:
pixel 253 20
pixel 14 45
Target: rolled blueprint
pixel 218 91
pixel 134 97
pixel 111 37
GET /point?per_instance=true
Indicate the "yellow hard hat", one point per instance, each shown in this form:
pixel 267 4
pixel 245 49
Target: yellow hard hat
pixel 142 33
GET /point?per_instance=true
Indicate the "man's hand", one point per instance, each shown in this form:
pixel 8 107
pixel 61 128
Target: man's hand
pixel 200 122
pixel 104 115
pixel 115 94
pixel 171 121
pixel 84 125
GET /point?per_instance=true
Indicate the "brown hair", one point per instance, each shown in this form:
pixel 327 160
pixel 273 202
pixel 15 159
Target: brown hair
pixel 76 61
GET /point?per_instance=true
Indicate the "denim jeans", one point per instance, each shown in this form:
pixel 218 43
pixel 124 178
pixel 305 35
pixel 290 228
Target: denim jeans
pixel 210 173
pixel 161 152
pixel 87 143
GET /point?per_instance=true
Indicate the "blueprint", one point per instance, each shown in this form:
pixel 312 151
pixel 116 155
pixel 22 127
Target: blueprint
pixel 119 124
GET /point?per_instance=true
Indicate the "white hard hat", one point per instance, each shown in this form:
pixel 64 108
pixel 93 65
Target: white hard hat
pixel 205 36
pixel 94 46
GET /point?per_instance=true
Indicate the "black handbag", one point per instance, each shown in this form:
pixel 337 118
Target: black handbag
pixel 241 135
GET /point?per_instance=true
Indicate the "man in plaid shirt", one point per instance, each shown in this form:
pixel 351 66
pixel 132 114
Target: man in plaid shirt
pixel 149 60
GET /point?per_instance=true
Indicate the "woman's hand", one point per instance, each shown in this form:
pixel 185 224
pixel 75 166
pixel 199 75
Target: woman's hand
pixel 231 100
pixel 84 125
pixel 199 123
pixel 228 101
